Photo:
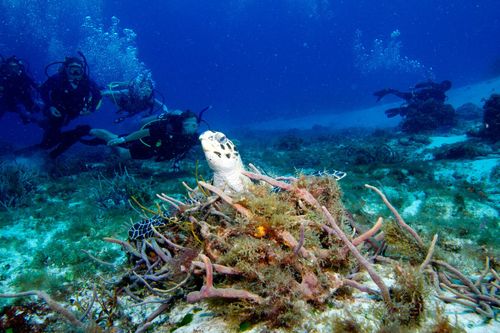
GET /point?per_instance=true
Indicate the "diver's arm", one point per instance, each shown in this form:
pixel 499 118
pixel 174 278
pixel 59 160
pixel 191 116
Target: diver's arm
pixel 92 100
pixel 137 135
pixel 116 88
pixel 113 92
pixel 31 82
pixel 154 117
pixel 45 90
pixel 96 95
pixel 130 137
pixel 119 85
pixel 160 105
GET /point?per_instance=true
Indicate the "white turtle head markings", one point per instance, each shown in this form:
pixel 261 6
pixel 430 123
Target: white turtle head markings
pixel 219 151
pixel 224 160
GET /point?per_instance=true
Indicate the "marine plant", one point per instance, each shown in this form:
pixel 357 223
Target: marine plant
pixel 461 151
pixel 115 191
pixel 442 324
pixel 347 325
pixel 18 183
pixel 289 141
pixel 401 244
pixel 369 154
pixel 408 293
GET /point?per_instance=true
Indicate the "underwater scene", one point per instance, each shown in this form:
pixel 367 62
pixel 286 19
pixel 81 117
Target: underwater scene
pixel 249 166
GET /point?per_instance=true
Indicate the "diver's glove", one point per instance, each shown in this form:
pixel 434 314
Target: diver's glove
pixel 55 112
pixel 85 112
pixel 117 141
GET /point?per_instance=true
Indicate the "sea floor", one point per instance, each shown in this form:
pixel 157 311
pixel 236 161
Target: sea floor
pixel 54 216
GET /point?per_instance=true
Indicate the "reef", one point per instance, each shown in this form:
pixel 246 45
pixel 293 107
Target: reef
pixel 428 116
pixel 491 117
pixel 275 254
pixel 309 251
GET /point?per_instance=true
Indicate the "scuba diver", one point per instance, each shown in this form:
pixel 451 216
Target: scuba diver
pixel 67 95
pixel 134 97
pixel 17 90
pixel 168 136
pixel 420 94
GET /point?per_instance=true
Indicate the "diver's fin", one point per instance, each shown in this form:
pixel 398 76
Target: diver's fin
pixel 393 112
pixel 93 142
pixel 381 93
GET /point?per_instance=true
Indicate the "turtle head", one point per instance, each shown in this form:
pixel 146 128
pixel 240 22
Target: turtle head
pixel 220 152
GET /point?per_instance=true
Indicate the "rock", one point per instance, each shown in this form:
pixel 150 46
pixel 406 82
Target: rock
pixel 404 141
pixel 469 111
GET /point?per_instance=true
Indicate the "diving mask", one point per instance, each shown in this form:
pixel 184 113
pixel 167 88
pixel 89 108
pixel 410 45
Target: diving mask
pixel 74 71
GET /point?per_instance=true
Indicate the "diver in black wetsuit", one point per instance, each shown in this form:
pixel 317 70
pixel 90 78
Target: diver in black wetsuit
pixel 67 95
pixel 17 90
pixel 166 137
pixel 421 93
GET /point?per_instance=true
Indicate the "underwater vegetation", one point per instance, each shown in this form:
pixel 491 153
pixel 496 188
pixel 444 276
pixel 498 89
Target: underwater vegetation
pixel 467 150
pixel 271 257
pixel 17 185
pixel 276 254
pixel 117 190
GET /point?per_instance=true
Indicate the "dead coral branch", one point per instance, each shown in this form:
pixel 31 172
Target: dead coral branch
pixel 361 259
pixel 398 217
pixel 209 291
pixel 368 234
pixel 481 296
pixel 226 198
pixel 429 254
pixel 299 192
pixel 69 316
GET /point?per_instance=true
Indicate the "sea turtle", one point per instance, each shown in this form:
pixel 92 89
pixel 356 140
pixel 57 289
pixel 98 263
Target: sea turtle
pixel 225 161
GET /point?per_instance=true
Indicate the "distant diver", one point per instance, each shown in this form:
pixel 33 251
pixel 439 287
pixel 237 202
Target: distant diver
pixel 68 94
pixel 134 97
pixel 424 108
pixel 17 90
pixel 420 93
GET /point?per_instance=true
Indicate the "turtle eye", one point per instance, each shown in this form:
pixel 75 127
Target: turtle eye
pixel 221 138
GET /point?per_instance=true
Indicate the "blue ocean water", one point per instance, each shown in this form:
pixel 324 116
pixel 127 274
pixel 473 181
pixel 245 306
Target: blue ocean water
pixel 257 60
